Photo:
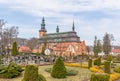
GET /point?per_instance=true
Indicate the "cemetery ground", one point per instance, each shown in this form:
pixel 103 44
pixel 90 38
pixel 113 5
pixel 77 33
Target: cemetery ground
pixel 83 73
pixel 101 68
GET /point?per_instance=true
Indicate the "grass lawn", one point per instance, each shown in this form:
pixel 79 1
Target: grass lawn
pixel 83 74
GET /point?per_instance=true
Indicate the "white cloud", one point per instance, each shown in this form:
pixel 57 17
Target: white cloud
pixel 64 12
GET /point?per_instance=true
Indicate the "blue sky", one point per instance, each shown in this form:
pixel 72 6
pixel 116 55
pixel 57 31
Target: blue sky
pixel 91 17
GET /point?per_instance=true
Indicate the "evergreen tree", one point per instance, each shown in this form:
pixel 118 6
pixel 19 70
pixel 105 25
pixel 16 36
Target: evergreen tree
pixel 97 46
pixel 14 49
pixel 43 48
pixel 59 70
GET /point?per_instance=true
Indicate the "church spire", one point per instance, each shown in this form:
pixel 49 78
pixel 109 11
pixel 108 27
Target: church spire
pixel 57 29
pixel 73 27
pixel 43 24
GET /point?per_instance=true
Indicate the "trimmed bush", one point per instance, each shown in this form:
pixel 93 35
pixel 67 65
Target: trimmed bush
pixel 41 77
pixel 31 74
pixel 117 69
pixel 100 77
pixel 97 61
pixel 70 72
pixel 90 63
pixel 107 68
pixel 59 70
pixel 109 58
pixel 14 51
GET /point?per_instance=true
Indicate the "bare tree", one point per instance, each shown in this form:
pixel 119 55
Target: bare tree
pixel 10 35
pixel 2 23
pixel 107 43
pixel 32 43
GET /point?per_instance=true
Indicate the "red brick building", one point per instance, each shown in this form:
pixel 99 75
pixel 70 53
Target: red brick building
pixel 61 43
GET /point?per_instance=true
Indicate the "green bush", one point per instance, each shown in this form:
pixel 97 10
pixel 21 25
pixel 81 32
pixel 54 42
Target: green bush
pixel 70 72
pixel 41 77
pixel 14 50
pixel 90 63
pixel 31 74
pixel 59 70
pixel 99 77
pixel 107 68
pixel 11 71
pixel 109 58
pixel 117 69
pixel 97 61
pixel 17 67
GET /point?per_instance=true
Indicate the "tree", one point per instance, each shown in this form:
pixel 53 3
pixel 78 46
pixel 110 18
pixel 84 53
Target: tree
pixel 9 35
pixel 97 46
pixel 32 43
pixel 107 43
pixel 88 49
pixel 14 49
pixel 43 48
pixel 59 70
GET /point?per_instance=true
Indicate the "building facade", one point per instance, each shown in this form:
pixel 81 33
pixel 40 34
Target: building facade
pixel 61 43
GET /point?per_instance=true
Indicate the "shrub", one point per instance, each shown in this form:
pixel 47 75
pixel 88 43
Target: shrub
pixel 107 68
pixel 114 76
pixel 41 77
pixel 31 73
pixel 70 72
pixel 14 51
pixel 59 70
pixel 17 67
pixel 76 65
pixel 99 77
pixel 11 71
pixel 117 69
pixel 90 63
pixel 96 69
pixel 97 61
pixel 109 58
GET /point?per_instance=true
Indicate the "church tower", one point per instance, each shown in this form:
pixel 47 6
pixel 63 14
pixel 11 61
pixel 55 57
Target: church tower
pixel 42 31
pixel 57 29
pixel 73 27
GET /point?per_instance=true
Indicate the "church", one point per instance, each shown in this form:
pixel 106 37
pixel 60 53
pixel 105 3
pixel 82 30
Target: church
pixel 61 43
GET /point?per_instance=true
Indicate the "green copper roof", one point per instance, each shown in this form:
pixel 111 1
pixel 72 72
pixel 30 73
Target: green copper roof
pixel 60 37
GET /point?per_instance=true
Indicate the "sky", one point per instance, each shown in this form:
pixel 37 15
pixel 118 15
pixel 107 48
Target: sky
pixel 91 17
